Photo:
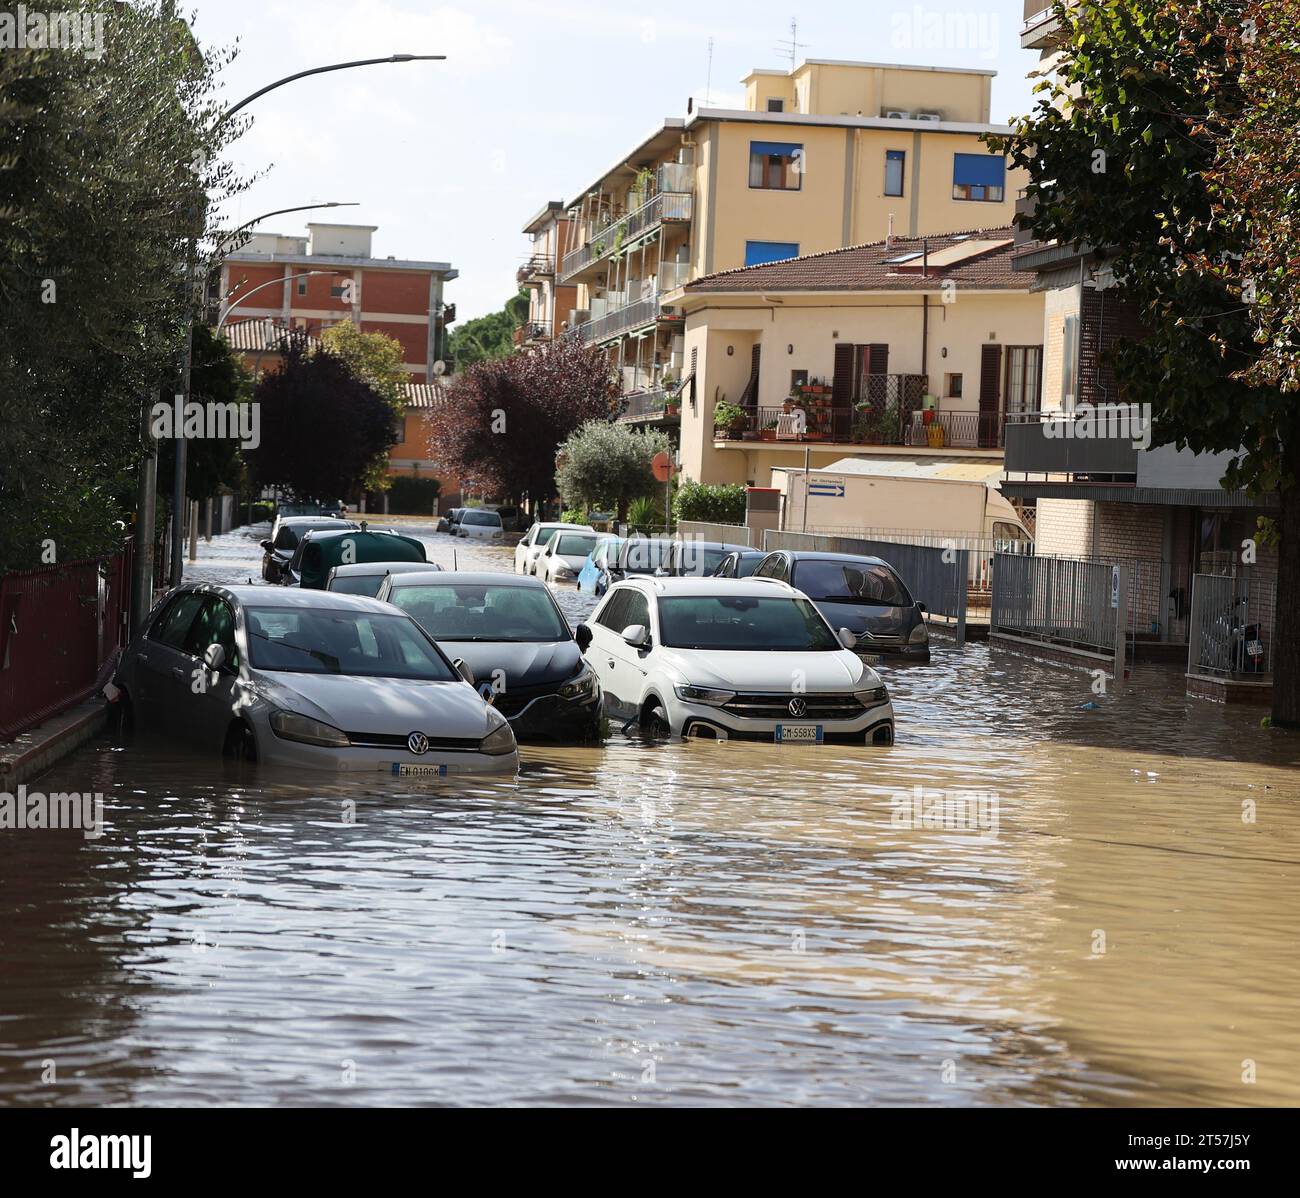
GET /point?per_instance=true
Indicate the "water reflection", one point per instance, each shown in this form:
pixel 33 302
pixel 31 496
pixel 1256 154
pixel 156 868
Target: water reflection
pixel 682 923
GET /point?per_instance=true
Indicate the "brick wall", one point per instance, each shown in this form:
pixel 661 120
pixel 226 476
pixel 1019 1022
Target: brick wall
pixel 1130 530
pixel 1065 527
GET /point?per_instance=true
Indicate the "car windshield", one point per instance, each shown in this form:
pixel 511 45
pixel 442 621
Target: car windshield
pixel 486 519
pixel 644 557
pixel 745 624
pixel 575 546
pixel 483 612
pixel 358 584
pixel 697 560
pixel 328 641
pixel 851 582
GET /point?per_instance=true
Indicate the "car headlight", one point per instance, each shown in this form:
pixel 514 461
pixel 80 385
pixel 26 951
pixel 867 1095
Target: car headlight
pixel 920 635
pixel 498 742
pixel 873 697
pixel 579 686
pixel 703 694
pixel 289 725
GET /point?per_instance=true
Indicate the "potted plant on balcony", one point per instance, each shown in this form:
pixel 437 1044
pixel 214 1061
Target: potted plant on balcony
pixel 728 419
pixel 768 431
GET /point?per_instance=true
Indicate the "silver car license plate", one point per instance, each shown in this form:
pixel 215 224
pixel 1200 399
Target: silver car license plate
pixel 418 771
pixel 799 734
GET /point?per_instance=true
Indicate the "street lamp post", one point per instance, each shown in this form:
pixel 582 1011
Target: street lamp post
pixel 177 571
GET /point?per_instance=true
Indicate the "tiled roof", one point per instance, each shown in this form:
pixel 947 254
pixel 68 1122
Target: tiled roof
pixel 877 267
pixel 425 395
pixel 263 335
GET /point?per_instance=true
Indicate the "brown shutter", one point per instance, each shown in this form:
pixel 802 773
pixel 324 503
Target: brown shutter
pixel 878 359
pixel 990 395
pixel 750 395
pixel 842 383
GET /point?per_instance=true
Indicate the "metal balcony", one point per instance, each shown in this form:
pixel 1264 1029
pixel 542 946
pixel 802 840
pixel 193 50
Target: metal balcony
pixel 1040 443
pixel 664 208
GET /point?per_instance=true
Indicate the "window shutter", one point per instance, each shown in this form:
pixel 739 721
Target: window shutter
pixel 750 395
pixel 842 383
pixel 878 359
pixel 990 395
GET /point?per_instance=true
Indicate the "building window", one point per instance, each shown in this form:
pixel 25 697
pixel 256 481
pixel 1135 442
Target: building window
pixel 759 252
pixel 894 163
pixel 776 105
pixel 776 165
pixel 336 292
pixel 1070 364
pixel 302 286
pixel 979 177
pixel 1024 375
pixel 952 386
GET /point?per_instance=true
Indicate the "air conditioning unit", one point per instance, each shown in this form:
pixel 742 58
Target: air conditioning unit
pixel 929 116
pixel 895 115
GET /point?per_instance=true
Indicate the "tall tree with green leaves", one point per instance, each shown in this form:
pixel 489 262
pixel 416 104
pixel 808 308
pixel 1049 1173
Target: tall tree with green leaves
pixel 609 465
pixel 376 359
pixel 488 337
pixel 1126 151
pixel 106 164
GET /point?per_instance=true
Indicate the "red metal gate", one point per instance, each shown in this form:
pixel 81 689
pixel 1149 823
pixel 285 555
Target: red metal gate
pixel 61 628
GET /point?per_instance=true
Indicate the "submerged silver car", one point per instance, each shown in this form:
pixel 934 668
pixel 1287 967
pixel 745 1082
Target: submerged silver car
pixel 313 679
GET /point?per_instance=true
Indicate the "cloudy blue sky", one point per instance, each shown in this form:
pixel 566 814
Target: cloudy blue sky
pixel 450 159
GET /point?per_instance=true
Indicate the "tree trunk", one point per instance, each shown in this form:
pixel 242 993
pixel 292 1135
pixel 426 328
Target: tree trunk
pixel 1286 629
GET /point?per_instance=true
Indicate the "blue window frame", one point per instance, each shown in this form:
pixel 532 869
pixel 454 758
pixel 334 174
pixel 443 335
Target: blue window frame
pixel 776 165
pixel 895 160
pixel 979 177
pixel 759 252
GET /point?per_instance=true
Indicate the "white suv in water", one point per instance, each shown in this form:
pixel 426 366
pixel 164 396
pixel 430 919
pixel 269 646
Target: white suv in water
pixel 734 659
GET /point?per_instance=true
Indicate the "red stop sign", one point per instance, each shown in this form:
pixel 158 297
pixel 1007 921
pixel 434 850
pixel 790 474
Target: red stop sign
pixel 662 466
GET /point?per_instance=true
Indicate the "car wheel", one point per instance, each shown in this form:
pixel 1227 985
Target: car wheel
pixel 122 720
pixel 654 721
pixel 241 745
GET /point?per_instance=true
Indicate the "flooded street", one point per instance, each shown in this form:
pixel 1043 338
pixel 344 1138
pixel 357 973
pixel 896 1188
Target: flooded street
pixel 682 923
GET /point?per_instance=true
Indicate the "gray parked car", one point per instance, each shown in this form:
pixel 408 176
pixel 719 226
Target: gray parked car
pixel 307 679
pixel 366 578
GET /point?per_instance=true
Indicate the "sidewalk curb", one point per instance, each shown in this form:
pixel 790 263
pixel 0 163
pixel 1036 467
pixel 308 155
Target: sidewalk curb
pixel 37 750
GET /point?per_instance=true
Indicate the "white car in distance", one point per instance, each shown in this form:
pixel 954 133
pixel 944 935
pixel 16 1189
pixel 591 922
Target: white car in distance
pixel 732 659
pixel 480 524
pixel 564 557
pixel 535 541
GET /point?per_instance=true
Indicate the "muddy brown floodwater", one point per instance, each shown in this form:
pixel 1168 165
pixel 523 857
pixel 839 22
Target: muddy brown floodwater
pixel 682 923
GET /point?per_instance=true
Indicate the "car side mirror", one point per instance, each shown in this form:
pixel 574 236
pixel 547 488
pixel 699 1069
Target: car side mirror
pixel 583 637
pixel 214 658
pixel 268 546
pixel 637 635
pixel 848 638
pixel 463 669
pixel 922 608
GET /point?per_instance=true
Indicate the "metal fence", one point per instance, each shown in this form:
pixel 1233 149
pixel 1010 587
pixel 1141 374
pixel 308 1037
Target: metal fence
pixel 1233 621
pixel 1066 601
pixel 60 629
pixel 935 576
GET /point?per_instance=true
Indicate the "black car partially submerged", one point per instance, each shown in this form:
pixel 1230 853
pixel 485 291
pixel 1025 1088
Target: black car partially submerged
pixel 862 594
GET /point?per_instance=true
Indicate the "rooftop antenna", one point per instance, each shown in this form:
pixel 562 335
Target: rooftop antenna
pixel 708 85
pixel 794 45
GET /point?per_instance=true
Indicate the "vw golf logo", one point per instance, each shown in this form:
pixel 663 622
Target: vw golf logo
pixel 798 708
pixel 418 743
pixel 487 693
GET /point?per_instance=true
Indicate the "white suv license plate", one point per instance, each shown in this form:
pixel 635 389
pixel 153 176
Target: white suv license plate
pixel 418 771
pixel 799 734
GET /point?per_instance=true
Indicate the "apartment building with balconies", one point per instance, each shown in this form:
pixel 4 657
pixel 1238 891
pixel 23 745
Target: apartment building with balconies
pixel 901 351
pixel 550 304
pixel 310 283
pixel 827 155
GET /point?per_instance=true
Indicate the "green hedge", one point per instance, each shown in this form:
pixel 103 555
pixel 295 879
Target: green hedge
pixel 413 496
pixel 710 504
pixel 263 512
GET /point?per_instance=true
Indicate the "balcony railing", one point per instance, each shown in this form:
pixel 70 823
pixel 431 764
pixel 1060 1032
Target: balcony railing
pixel 957 430
pixel 539 266
pixel 532 330
pixel 667 206
pixel 1054 443
pixel 647 405
pixel 619 320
